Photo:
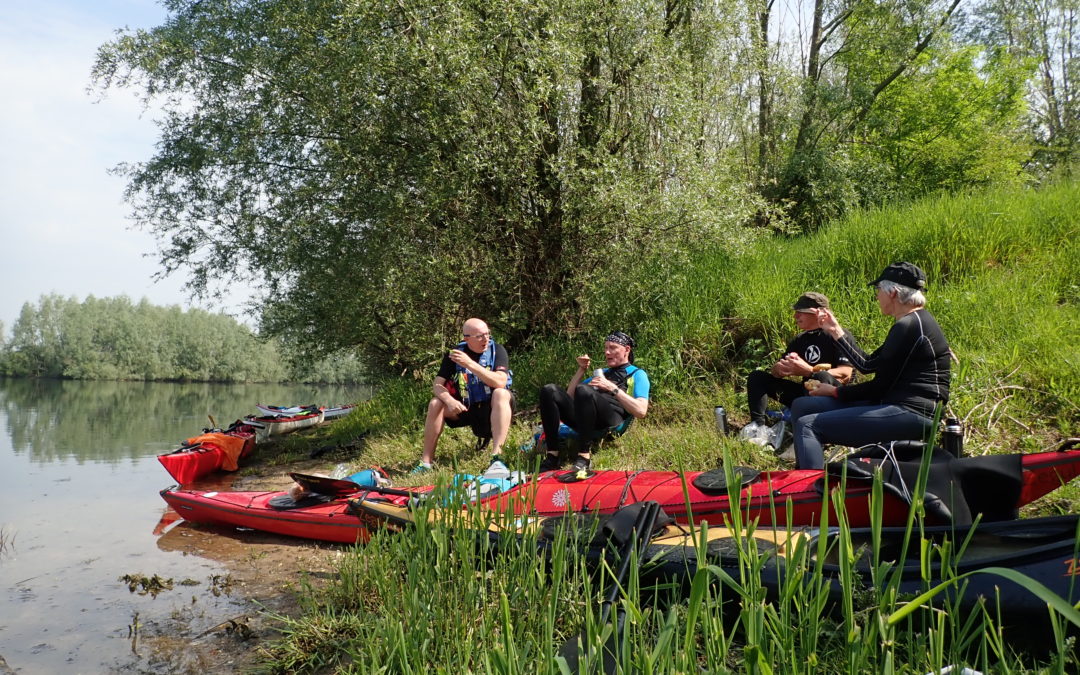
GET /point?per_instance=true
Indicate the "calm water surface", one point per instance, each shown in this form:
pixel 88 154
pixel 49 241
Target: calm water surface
pixel 79 505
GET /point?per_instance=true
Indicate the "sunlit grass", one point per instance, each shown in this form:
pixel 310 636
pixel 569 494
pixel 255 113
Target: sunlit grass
pixel 1002 284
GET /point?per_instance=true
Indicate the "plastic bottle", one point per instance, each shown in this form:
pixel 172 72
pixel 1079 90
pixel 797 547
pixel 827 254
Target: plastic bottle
pixel 340 471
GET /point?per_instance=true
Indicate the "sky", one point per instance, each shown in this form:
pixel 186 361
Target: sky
pixel 64 225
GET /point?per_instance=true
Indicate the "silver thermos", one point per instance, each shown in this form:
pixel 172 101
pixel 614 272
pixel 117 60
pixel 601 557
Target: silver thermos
pixel 599 372
pixel 721 419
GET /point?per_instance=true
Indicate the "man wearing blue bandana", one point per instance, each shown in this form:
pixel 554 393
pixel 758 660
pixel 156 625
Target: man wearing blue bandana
pixel 472 389
pixel 594 406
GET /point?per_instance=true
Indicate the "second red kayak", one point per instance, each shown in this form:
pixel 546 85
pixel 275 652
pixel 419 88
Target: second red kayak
pixel 770 497
pixel 209 452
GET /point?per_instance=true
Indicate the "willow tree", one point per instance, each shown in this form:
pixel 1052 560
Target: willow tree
pixel 385 169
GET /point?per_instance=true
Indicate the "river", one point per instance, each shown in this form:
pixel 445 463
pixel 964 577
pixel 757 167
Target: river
pixel 79 510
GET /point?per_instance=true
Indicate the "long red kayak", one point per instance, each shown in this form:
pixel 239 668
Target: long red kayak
pixel 209 452
pixel 791 496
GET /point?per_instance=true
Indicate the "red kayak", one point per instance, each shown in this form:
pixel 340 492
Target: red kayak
pixel 209 452
pixel 792 496
pixel 323 519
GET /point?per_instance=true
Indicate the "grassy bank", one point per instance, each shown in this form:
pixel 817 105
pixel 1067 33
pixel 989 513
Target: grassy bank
pixel 1003 285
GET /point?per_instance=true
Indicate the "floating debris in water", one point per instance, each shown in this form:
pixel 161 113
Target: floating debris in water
pixel 144 585
pixel 220 585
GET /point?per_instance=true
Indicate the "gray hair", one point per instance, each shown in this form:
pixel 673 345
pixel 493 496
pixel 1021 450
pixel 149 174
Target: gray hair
pixel 911 297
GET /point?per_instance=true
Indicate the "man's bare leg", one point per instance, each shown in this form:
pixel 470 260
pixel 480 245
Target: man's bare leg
pixel 500 419
pixel 433 426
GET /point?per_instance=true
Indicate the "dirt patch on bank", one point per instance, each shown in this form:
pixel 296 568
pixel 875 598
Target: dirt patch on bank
pixel 266 576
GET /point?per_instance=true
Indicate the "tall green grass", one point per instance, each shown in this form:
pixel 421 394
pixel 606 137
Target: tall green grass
pixel 438 598
pixel 1003 283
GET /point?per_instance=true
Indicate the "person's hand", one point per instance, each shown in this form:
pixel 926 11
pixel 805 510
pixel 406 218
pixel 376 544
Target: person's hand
pixel 455 407
pixel 603 384
pixel 828 323
pixel 584 361
pixel 797 365
pixel 822 389
pixel 462 359
pixel 783 368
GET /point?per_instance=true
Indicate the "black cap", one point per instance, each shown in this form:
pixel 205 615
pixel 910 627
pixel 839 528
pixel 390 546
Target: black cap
pixel 903 273
pixel 811 300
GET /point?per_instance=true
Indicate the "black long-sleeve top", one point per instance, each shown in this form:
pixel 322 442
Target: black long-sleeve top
pixel 911 368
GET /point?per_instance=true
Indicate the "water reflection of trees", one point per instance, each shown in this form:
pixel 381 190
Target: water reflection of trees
pixel 113 421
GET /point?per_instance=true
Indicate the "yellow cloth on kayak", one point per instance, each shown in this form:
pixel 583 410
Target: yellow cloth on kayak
pixel 231 446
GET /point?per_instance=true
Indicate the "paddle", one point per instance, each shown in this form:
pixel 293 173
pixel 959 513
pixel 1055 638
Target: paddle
pixel 638 536
pixel 187 448
pixel 340 487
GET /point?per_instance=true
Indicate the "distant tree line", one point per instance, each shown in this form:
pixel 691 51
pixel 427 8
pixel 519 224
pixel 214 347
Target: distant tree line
pixel 116 339
pixel 387 169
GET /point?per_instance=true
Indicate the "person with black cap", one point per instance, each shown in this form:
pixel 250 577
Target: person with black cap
pixel 911 376
pixel 593 406
pixel 810 355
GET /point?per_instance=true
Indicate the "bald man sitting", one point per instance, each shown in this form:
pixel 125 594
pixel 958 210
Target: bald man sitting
pixel 472 389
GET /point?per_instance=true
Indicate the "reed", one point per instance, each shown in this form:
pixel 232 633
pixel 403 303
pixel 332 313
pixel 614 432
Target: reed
pixel 7 542
pixel 1004 287
pixel 447 597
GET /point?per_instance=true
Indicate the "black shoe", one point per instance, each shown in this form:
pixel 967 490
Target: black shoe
pixel 550 462
pixel 581 465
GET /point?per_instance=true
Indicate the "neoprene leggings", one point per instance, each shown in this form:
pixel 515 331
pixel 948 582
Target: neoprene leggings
pixel 589 412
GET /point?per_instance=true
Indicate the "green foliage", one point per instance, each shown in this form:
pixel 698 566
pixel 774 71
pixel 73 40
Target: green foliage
pixel 951 125
pixel 114 339
pixel 390 169
pixel 1044 32
pixel 386 170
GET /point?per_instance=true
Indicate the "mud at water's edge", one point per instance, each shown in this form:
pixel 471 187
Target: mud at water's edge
pixel 266 575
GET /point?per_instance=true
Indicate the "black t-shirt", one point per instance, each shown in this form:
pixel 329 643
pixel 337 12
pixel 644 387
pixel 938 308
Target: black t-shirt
pixel 816 346
pixel 448 368
pixel 911 368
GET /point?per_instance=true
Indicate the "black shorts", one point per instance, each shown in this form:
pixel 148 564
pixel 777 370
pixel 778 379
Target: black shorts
pixel 478 417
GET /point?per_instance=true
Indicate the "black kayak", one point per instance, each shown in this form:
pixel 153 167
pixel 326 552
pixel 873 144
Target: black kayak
pixel 1042 549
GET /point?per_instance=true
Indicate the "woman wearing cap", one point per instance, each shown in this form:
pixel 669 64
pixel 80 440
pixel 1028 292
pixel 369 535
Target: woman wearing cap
pixel 911 376
pixel 595 405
